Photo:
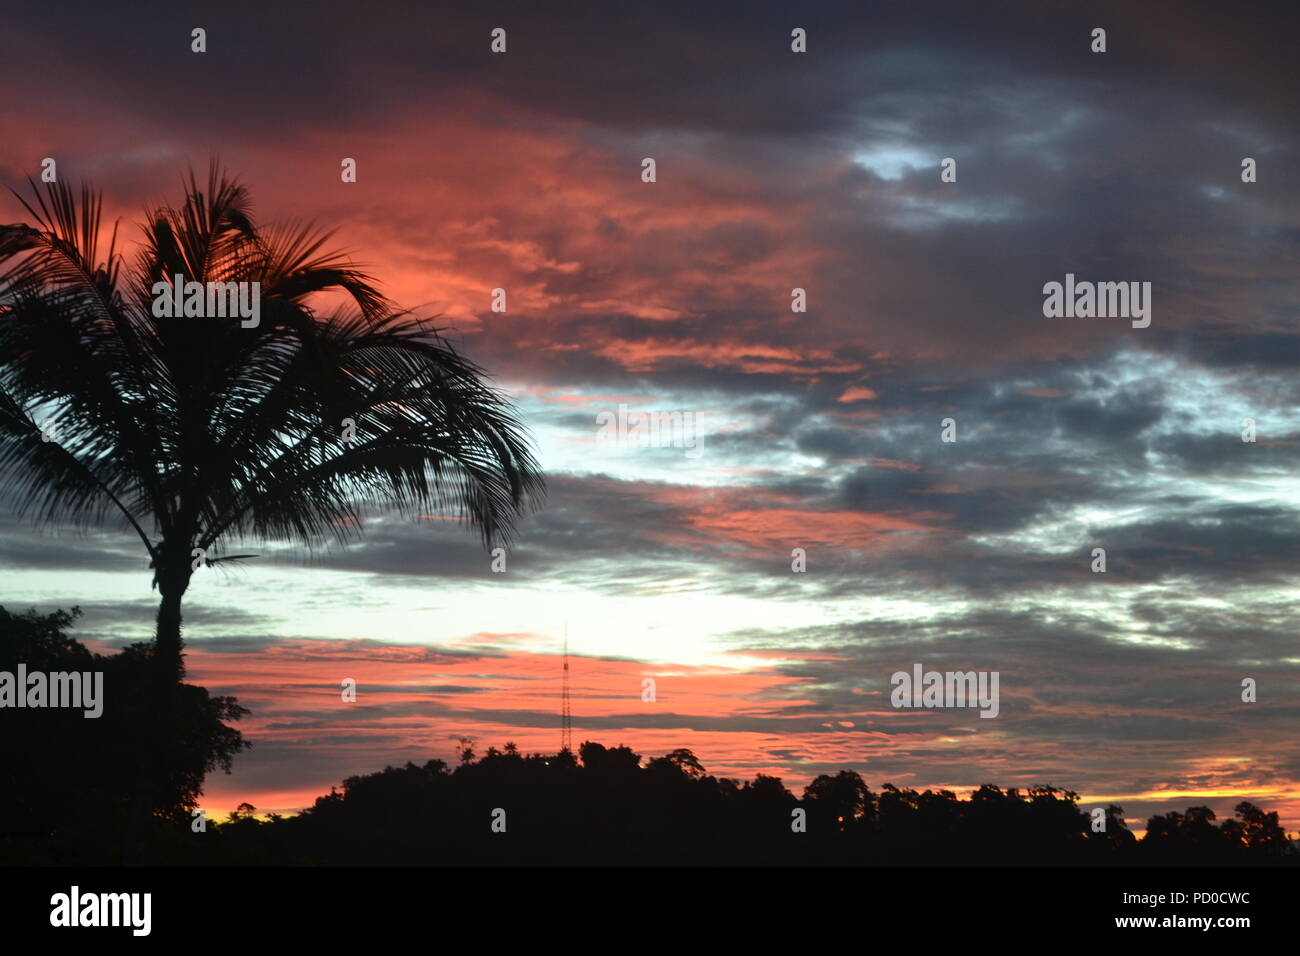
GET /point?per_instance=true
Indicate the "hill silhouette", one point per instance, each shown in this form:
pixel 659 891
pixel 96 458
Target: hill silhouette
pixel 607 807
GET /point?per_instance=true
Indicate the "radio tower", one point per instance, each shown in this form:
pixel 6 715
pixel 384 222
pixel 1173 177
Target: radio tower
pixel 566 717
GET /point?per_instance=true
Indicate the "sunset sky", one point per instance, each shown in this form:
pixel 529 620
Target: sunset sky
pixel 818 430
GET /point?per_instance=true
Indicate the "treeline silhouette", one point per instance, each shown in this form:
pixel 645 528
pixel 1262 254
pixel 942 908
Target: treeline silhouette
pixel 606 807
pixel 66 785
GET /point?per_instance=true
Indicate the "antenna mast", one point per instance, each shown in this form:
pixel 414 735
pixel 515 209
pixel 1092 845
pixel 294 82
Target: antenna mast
pixel 566 716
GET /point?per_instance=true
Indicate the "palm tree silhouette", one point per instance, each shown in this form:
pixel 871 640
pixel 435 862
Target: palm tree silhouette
pixel 198 430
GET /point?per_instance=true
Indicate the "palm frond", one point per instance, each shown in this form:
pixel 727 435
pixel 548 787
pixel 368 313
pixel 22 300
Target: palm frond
pixel 200 428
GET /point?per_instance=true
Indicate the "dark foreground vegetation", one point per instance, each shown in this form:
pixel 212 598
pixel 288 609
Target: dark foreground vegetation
pixel 70 786
pixel 608 807
pixel 66 786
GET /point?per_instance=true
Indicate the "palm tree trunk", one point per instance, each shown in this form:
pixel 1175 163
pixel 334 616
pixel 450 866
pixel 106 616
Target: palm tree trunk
pixel 164 683
pixel 167 637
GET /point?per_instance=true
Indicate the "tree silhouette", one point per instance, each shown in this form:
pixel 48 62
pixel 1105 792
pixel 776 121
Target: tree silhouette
pixel 1257 830
pixel 67 784
pixel 193 431
pixel 840 801
pixel 198 429
pixel 681 761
